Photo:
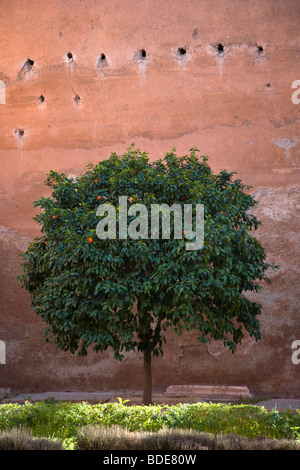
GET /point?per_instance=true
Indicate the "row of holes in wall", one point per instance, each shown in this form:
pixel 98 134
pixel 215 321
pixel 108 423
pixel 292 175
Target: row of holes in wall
pixel 20 132
pixel 102 60
pixel 141 55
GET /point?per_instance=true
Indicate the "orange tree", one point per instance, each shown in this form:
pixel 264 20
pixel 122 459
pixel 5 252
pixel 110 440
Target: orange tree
pixel 124 293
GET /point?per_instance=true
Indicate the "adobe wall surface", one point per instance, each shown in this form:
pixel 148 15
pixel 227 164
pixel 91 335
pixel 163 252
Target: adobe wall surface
pixel 235 107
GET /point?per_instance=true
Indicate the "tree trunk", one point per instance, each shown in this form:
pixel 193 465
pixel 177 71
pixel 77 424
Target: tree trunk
pixel 147 398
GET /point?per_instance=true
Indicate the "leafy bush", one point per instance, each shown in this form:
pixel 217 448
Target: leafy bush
pixel 44 419
pixel 246 420
pixel 62 420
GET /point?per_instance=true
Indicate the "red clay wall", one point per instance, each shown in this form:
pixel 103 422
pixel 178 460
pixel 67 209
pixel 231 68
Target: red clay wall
pixel 236 107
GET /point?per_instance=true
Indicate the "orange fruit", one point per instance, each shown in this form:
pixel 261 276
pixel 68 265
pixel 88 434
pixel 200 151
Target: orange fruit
pixel 90 240
pixel 96 181
pixel 98 197
pixel 54 216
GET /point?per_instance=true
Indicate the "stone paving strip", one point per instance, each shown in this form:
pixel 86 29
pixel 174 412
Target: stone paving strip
pixel 173 395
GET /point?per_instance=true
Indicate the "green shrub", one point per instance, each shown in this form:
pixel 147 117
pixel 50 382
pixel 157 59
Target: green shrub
pixel 62 420
pixel 245 420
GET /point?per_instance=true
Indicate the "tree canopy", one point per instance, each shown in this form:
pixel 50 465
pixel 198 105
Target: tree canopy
pixel 124 293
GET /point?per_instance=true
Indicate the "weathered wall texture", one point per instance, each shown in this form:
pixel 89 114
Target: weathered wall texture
pixel 60 113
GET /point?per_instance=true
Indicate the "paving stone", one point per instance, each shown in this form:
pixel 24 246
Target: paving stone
pixel 210 391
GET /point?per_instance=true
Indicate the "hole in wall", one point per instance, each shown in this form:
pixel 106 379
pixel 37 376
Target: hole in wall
pixel 260 49
pixel 20 133
pixel 141 58
pixel 77 99
pixel 69 57
pixel 142 54
pixel 181 51
pixel 29 63
pixel 220 48
pixel 101 61
pixel 41 98
pixel 27 66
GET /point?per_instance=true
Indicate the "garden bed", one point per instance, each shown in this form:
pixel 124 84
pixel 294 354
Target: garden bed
pixel 61 421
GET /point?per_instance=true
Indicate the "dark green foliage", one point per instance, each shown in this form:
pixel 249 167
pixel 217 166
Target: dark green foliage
pixel 86 291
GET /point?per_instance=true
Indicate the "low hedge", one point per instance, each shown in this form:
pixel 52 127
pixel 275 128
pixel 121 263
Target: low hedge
pixel 62 420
